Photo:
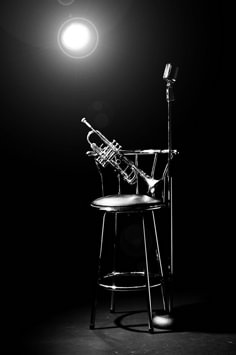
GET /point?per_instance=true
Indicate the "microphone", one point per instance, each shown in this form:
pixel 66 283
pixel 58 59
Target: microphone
pixel 170 73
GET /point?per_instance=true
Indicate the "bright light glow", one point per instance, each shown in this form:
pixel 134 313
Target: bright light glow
pixel 75 36
pixel 78 37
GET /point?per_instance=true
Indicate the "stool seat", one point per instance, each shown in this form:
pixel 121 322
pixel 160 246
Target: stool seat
pixel 126 203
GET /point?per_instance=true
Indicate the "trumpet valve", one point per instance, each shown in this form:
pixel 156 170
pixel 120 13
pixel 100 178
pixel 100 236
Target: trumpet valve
pixel 116 145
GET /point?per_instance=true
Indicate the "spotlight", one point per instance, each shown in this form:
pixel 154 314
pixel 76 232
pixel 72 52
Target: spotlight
pixel 77 37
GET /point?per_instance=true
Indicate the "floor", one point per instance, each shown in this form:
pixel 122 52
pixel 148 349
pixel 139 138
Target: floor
pixel 202 327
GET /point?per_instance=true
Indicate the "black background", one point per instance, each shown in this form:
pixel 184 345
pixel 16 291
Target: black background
pixel 47 181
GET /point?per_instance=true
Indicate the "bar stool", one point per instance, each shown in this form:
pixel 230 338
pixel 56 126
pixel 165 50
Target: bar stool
pixel 144 206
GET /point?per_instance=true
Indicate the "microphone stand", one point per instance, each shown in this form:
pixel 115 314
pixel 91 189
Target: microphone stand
pixel 170 99
pixel 166 321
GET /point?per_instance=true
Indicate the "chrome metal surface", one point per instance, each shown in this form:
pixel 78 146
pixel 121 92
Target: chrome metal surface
pixel 127 202
pixel 111 281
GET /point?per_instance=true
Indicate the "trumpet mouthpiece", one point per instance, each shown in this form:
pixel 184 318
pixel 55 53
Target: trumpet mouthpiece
pixel 87 124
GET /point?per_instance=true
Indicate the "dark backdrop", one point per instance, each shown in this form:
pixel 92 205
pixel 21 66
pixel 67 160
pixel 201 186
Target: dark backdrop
pixel 48 230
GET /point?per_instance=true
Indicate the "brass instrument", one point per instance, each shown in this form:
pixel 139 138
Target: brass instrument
pixel 111 154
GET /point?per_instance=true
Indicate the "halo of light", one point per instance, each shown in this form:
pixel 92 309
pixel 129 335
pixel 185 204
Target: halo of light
pixel 65 2
pixel 77 37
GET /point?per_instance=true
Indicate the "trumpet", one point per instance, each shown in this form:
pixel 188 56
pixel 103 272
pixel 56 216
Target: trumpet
pixel 110 153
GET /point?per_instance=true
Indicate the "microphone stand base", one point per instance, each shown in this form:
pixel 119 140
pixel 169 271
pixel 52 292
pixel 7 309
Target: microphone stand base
pixel 163 321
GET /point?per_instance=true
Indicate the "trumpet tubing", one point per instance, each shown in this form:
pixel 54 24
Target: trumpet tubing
pixel 111 154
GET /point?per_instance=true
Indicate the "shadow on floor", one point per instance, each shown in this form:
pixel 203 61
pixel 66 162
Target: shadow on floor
pixel 197 317
pixel 201 327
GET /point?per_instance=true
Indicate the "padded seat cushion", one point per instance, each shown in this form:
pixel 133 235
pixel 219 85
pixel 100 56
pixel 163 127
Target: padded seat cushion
pixel 126 202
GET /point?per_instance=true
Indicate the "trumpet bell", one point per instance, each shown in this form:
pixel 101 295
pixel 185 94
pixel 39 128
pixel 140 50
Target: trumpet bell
pixel 152 184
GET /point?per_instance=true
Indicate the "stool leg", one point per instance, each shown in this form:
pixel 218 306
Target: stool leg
pixel 163 292
pixel 112 304
pixel 95 291
pixel 149 301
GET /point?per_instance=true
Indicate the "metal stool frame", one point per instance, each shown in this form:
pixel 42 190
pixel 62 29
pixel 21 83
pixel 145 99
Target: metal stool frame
pixel 102 280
